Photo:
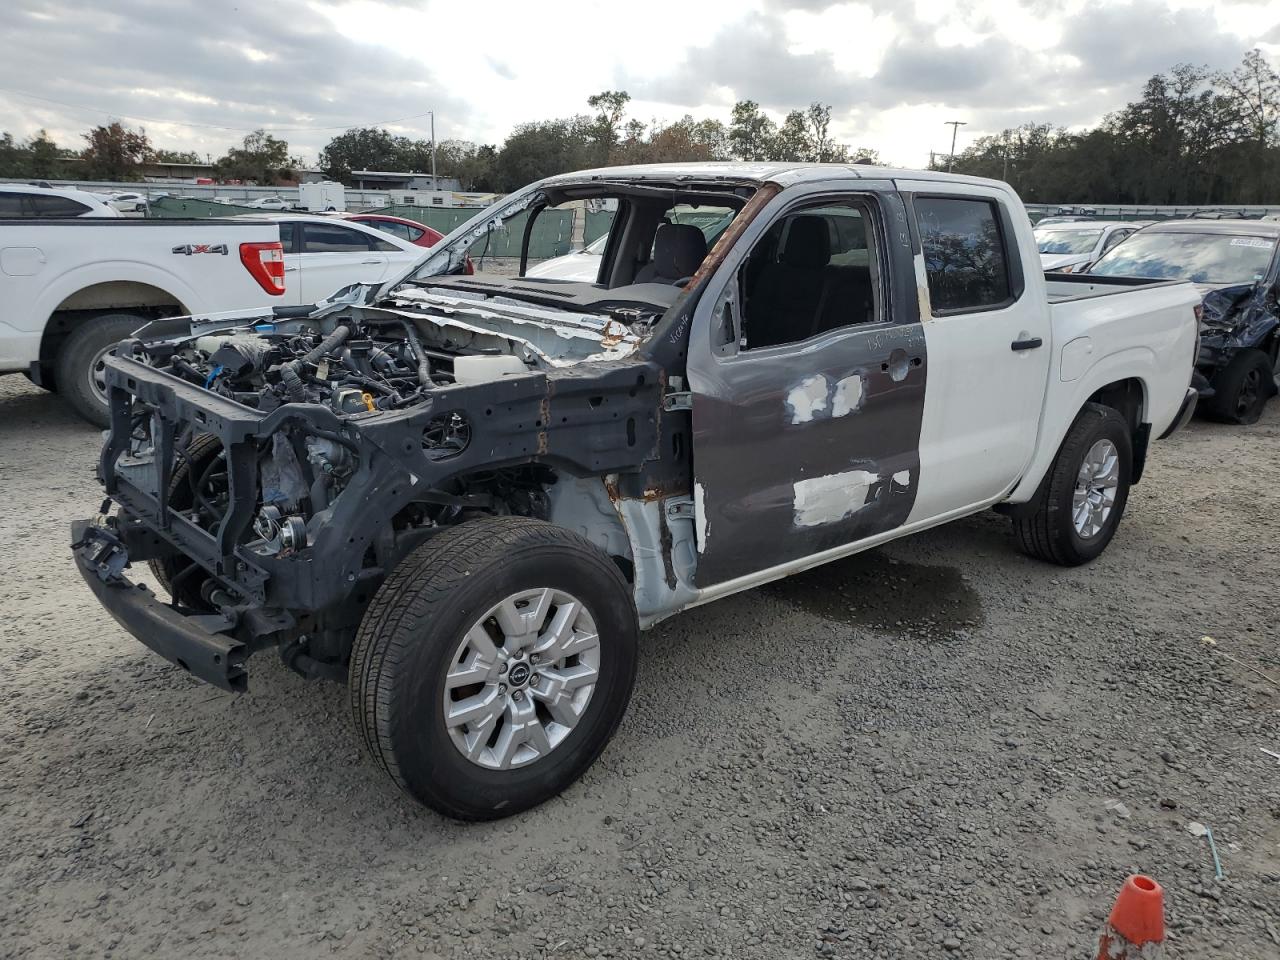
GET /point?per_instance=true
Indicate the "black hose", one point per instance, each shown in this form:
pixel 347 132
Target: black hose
pixel 293 385
pixel 333 340
pixel 333 437
pixel 291 372
pixel 424 364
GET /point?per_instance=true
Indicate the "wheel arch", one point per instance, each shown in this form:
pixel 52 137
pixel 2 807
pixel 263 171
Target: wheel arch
pixel 1112 384
pixel 1128 397
pixel 83 303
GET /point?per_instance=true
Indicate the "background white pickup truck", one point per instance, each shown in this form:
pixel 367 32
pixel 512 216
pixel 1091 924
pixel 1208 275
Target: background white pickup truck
pixel 71 289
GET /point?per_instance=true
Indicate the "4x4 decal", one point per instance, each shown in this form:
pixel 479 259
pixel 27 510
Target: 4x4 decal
pixel 187 249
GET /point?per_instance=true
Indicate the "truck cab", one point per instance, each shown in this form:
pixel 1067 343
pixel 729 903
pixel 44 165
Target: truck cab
pixel 466 494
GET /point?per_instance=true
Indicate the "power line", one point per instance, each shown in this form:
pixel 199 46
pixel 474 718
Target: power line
pixel 209 126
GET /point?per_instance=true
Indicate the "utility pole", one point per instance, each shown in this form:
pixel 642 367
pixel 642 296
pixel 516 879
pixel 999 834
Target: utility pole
pixel 433 150
pixel 955 126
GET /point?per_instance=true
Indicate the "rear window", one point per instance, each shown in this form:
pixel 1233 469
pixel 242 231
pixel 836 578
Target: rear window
pixel 11 205
pixel 1067 241
pixel 1199 257
pixel 964 253
pixel 400 230
pixel 330 238
pixel 56 206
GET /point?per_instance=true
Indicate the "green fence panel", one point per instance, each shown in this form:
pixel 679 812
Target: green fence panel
pixel 175 207
pixel 552 231
pixel 598 224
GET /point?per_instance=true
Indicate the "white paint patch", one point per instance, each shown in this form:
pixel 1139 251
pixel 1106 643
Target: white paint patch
pixel 807 399
pixel 827 499
pixel 847 396
pixel 700 525
pixel 902 478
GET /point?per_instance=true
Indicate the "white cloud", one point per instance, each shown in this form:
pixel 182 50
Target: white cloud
pixel 893 70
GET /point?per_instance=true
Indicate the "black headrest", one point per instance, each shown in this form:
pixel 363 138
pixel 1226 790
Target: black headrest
pixel 808 243
pixel 678 250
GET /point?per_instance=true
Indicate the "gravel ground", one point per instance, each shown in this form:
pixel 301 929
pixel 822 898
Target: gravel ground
pixel 907 754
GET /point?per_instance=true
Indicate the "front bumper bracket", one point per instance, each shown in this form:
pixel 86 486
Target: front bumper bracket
pixel 193 643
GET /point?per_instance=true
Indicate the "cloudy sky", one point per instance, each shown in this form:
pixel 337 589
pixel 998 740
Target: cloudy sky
pixel 198 75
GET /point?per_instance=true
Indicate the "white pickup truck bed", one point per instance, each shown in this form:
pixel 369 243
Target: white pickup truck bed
pixel 60 280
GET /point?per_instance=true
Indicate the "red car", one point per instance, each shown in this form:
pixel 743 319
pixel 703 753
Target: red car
pixel 416 233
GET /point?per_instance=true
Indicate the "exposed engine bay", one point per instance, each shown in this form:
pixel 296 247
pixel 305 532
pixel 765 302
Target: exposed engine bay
pixel 330 445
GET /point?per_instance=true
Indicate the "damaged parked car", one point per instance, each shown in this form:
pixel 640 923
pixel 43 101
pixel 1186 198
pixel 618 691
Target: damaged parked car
pixel 465 495
pixel 1236 267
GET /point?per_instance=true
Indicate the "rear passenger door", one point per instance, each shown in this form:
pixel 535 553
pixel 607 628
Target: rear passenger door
pixel 989 346
pixel 333 256
pixel 807 371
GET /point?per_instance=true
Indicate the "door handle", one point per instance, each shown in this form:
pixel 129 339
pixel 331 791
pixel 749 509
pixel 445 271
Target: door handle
pixel 289 268
pixel 1029 344
pixel 372 262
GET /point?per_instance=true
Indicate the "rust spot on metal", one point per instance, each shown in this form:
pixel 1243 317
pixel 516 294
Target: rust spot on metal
pixel 613 333
pixel 729 238
pixel 544 415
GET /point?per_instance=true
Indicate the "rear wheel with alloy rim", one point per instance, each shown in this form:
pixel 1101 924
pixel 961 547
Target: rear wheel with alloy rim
pixel 81 363
pixel 1081 500
pixel 493 666
pixel 1097 484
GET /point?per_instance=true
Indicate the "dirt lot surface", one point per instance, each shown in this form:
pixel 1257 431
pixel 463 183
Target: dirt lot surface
pixel 913 753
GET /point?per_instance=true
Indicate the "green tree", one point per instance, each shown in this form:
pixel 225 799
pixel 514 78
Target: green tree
pixel 362 148
pixel 752 135
pixel 610 107
pixel 114 152
pixel 537 150
pixel 14 157
pixel 176 156
pixel 261 158
pixel 470 165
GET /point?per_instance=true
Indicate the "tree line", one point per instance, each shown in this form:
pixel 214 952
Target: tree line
pixel 603 137
pixel 533 150
pixel 113 151
pixel 1195 136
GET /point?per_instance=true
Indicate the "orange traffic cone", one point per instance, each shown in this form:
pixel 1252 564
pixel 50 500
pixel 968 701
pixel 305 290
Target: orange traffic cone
pixel 1135 928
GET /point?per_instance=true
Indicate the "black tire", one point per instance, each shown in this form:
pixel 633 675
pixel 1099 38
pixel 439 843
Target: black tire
pixel 1049 532
pixel 202 451
pixel 1242 388
pixel 410 634
pixel 81 352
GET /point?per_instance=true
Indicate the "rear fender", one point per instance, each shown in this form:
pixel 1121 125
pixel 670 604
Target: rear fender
pixel 1065 401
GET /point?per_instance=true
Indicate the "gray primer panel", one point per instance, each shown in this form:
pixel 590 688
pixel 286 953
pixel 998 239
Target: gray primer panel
pixel 792 454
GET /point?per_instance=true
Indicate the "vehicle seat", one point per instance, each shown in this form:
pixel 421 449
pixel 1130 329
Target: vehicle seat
pixel 848 299
pixel 678 251
pixel 789 292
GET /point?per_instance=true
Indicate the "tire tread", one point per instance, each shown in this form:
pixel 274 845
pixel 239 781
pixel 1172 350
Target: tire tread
pixel 1041 534
pixel 423 579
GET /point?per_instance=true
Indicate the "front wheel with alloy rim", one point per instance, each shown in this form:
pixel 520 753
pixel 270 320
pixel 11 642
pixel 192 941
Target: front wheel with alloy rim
pixel 1081 500
pixel 493 666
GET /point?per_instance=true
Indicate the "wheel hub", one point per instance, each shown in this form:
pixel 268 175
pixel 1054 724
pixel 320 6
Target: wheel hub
pixel 521 678
pixel 1097 482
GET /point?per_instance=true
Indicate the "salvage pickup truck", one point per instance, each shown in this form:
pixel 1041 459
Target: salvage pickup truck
pixel 466 495
pixel 71 288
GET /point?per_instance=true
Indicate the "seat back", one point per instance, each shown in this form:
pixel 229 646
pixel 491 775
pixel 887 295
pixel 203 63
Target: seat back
pixel 678 251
